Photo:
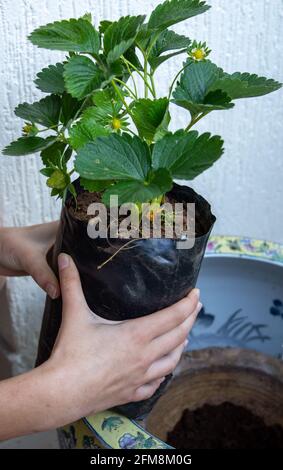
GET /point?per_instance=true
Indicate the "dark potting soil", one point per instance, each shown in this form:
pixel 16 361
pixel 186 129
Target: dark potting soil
pixel 226 426
pixel 84 199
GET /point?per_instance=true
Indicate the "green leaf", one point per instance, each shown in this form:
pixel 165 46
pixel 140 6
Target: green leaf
pixel 140 191
pixel 58 180
pixel 244 85
pixel 82 76
pixel 187 155
pixel 52 155
pixel 72 35
pixel 27 145
pixel 45 112
pixel 167 41
pixel 85 131
pixel 88 17
pixel 94 186
pixel 173 11
pixel 150 117
pixel 107 104
pixel 116 157
pixel 120 35
pixel 104 24
pixel 193 92
pixel 107 107
pixel 70 107
pixel 132 57
pixel 51 80
pixel 47 171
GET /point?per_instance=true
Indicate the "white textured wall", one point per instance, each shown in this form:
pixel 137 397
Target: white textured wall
pixel 245 188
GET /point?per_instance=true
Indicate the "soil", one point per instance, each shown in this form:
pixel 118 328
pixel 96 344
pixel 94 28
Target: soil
pixel 226 426
pixel 84 199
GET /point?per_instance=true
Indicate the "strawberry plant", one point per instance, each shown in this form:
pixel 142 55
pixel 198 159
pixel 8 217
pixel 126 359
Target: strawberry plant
pixel 121 138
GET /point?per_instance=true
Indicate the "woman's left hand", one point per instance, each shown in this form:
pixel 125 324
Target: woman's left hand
pixel 23 253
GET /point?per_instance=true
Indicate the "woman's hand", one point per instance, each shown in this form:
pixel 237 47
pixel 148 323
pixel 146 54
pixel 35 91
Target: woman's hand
pixel 100 365
pixel 95 364
pixel 23 253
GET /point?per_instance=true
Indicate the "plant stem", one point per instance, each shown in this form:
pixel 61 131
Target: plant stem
pixel 145 75
pixel 116 88
pixel 133 79
pixel 152 84
pixel 127 87
pixel 175 79
pixel 195 120
pixel 139 73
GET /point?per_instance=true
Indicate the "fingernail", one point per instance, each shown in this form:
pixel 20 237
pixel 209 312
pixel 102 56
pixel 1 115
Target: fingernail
pixel 51 291
pixel 199 307
pixel 63 261
pixel 196 293
pixel 186 343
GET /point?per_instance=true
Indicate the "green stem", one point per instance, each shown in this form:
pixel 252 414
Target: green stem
pixel 127 88
pixel 175 79
pixel 116 88
pixel 152 84
pixel 139 73
pixel 195 120
pixel 133 79
pixel 146 75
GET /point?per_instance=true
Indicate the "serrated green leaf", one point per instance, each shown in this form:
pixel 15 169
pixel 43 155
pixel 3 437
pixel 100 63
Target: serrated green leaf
pixel 150 117
pixel 70 107
pixel 132 57
pixel 94 186
pixel 67 35
pixel 58 180
pixel 47 171
pixel 173 11
pixel 88 17
pixel 120 35
pixel 107 103
pixel 104 24
pixel 107 107
pixel 85 131
pixel 167 41
pixel 140 191
pixel 245 85
pixel 53 155
pixel 116 157
pixel 193 91
pixel 45 112
pixel 187 155
pixel 27 145
pixel 82 76
pixel 51 80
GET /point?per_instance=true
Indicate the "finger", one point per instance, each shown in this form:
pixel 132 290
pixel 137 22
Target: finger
pixel 43 275
pixel 146 391
pixel 70 283
pixel 165 320
pixel 165 365
pixel 174 338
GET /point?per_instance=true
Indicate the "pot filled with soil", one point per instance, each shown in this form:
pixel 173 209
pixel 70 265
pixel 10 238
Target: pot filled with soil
pixel 222 399
pixel 118 278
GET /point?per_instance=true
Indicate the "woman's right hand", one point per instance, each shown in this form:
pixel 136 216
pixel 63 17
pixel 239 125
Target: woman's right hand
pixel 98 364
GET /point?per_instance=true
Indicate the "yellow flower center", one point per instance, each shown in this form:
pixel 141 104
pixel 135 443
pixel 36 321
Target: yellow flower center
pixel 199 54
pixel 27 128
pixel 116 124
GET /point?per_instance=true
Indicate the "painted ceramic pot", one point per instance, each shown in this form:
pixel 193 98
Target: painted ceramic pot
pixel 242 293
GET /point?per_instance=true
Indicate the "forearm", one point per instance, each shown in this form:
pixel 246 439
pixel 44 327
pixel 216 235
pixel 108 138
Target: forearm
pixel 29 403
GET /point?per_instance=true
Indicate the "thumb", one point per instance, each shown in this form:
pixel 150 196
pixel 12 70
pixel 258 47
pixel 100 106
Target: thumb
pixel 43 275
pixel 70 283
